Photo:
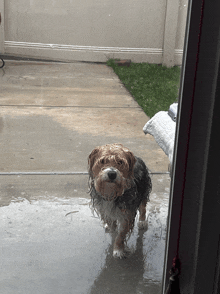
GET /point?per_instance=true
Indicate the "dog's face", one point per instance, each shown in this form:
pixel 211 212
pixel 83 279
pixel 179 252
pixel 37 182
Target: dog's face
pixel 111 168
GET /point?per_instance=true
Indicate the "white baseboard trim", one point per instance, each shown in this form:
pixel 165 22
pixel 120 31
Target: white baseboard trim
pixel 86 53
pixel 178 56
pixel 81 48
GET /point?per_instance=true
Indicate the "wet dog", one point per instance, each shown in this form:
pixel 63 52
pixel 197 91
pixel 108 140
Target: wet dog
pixel 119 186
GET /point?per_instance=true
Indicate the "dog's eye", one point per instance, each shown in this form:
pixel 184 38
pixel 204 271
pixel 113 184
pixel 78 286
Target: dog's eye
pixel 102 161
pixel 120 162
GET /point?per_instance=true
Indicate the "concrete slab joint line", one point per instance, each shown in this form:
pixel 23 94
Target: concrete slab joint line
pixel 60 173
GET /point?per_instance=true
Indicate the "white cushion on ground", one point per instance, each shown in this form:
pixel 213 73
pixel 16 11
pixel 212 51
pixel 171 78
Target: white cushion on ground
pixel 162 128
pixel 173 111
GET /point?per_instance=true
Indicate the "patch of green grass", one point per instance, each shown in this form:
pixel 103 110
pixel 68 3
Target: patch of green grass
pixel 154 87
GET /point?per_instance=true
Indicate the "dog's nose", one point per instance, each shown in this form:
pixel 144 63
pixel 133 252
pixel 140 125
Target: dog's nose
pixel 112 175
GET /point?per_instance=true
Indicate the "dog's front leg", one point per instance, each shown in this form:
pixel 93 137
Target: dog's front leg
pixel 142 224
pixel 119 243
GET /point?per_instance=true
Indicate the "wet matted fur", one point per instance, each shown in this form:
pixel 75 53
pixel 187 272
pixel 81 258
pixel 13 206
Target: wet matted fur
pixel 119 185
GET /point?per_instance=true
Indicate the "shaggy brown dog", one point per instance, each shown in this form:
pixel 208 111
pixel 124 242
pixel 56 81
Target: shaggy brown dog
pixel 119 186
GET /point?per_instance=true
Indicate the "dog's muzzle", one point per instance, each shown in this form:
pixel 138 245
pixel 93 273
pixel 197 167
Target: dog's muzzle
pixel 109 183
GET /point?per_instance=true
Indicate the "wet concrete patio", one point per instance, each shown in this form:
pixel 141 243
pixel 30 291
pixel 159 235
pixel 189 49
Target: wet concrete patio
pixel 52 115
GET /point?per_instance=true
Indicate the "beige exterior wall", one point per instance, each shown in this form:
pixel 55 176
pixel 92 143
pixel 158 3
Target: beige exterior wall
pixel 180 35
pixel 2 30
pixel 92 30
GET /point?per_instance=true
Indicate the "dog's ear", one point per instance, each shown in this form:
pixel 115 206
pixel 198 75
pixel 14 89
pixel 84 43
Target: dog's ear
pixel 91 158
pixel 131 160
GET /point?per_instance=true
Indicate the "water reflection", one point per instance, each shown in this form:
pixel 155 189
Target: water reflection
pixel 137 273
pixel 62 246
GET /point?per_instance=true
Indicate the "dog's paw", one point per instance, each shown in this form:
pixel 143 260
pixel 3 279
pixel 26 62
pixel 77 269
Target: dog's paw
pixel 119 253
pixel 108 228
pixel 143 225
